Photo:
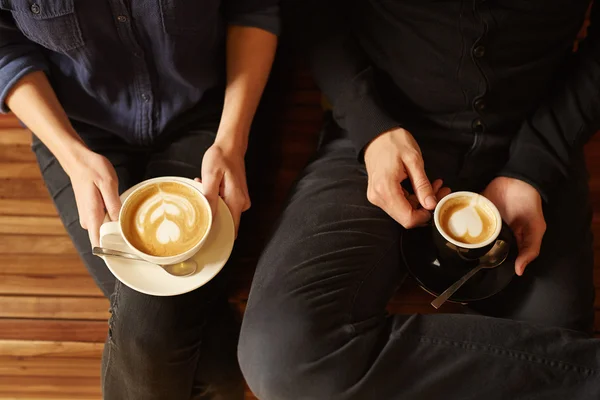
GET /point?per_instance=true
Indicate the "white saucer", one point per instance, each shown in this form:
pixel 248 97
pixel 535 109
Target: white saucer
pixel 153 280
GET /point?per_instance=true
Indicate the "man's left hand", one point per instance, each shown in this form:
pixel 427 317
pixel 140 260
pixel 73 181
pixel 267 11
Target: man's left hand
pixel 224 174
pixel 520 206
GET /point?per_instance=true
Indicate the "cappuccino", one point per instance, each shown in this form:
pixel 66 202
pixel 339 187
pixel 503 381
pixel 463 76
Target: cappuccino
pixel 165 219
pixel 467 220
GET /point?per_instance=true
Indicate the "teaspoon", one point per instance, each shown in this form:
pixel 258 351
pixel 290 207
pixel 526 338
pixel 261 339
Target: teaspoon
pixel 185 268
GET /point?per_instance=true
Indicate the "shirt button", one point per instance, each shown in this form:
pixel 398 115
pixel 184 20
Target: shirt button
pixel 478 126
pixel 479 105
pixel 479 51
pixel 122 18
pixel 145 97
pixel 35 8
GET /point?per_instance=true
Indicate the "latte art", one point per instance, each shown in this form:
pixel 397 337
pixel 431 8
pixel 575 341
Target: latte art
pixel 466 220
pixel 165 219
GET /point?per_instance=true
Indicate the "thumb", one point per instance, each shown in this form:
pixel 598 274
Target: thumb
pixel 421 185
pixel 529 244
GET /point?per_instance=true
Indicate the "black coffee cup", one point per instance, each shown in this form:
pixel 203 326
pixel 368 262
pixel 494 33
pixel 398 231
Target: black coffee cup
pixel 457 256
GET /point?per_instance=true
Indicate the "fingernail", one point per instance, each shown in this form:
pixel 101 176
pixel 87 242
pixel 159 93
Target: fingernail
pixel 430 202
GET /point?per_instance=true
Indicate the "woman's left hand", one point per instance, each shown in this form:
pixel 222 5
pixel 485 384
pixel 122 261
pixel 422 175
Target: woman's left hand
pixel 224 174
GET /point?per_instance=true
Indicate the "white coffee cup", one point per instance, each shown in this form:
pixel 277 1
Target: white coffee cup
pixel 115 227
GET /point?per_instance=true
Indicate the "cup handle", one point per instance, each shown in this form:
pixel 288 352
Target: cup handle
pixel 110 228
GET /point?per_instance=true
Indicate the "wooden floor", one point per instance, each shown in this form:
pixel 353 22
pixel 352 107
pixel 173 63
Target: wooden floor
pixel 53 318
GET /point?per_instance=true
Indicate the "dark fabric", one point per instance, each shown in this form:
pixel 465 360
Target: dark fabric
pixel 475 72
pixel 180 347
pixel 316 326
pixel 131 68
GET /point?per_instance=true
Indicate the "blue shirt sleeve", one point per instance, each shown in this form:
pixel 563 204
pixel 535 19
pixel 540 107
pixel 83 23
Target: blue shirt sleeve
pixel 263 14
pixel 18 57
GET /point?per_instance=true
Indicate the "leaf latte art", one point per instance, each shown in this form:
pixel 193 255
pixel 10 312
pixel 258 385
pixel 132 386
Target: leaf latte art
pixel 165 219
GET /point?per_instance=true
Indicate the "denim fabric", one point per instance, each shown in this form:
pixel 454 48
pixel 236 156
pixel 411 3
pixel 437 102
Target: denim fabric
pixel 128 68
pixel 316 325
pixel 176 348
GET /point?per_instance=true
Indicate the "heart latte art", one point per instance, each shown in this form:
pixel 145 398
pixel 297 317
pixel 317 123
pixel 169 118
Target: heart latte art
pixel 466 220
pixel 165 219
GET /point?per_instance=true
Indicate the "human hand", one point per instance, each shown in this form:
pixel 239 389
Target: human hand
pixel 520 206
pixel 391 158
pixel 96 189
pixel 224 174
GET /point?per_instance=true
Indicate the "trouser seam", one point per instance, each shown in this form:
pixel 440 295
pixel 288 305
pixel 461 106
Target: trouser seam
pixel 504 352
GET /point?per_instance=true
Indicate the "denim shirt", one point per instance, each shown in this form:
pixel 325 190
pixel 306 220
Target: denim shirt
pixel 131 68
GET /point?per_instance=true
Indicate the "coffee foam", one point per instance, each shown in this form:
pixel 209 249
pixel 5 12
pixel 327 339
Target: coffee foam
pixel 166 219
pixel 467 220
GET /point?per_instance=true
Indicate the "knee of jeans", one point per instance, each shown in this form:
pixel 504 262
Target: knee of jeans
pixel 142 330
pixel 277 355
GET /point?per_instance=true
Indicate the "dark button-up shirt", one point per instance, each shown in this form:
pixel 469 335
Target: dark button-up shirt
pixel 126 67
pixel 497 75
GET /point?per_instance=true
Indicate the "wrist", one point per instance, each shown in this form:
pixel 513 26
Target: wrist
pixel 232 141
pixel 69 154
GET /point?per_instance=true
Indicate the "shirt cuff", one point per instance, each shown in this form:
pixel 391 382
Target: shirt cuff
pixel 266 19
pixel 15 69
pixel 363 115
pixel 537 167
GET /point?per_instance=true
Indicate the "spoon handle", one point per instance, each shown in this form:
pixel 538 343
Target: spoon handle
pixel 101 251
pixel 442 298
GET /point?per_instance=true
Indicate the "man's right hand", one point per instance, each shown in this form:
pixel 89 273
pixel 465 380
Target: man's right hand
pixel 96 188
pixel 391 158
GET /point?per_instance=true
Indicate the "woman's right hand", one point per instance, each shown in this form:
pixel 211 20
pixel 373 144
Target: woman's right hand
pixel 96 188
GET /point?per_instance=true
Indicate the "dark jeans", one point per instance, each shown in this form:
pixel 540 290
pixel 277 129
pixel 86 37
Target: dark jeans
pixel 180 347
pixel 316 326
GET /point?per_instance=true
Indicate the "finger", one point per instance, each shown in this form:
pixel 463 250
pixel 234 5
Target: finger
pixel 198 180
pixel 111 199
pixel 211 182
pixel 443 192
pixel 390 197
pixel 235 199
pixel 94 215
pixel 420 183
pixel 530 242
pixel 436 186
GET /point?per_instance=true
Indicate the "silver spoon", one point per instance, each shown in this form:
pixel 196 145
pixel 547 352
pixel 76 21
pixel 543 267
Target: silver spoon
pixel 491 259
pixel 185 268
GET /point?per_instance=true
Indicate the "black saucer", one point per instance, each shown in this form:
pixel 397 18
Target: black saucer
pixel 420 257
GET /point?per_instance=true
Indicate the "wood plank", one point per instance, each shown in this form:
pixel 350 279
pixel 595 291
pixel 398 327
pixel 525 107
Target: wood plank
pixel 23 189
pixel 82 286
pixel 34 207
pixel 49 386
pixel 82 308
pixel 31 348
pixel 52 330
pixel 12 134
pixel 19 170
pixel 32 225
pixel 35 244
pixel 37 366
pixel 42 265
pixel 17 153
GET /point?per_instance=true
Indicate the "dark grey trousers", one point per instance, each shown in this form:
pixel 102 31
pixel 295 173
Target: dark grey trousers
pixel 316 326
pixel 175 348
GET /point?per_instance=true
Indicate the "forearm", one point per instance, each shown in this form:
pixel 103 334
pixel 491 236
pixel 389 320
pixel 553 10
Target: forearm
pixel 250 54
pixel 34 102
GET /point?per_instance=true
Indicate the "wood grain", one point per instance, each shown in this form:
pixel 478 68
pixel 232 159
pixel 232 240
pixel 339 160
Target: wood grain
pixel 42 265
pixel 22 189
pixel 53 349
pixel 19 170
pixel 33 207
pixel 80 308
pixel 35 244
pixel 53 330
pixel 13 135
pixel 21 225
